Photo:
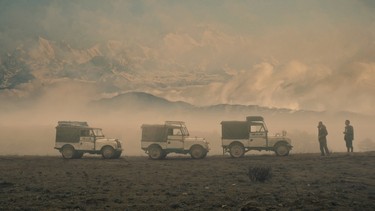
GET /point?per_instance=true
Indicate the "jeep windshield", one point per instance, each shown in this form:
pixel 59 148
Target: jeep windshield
pixel 97 132
pixel 180 125
pixel 258 127
pixel 184 130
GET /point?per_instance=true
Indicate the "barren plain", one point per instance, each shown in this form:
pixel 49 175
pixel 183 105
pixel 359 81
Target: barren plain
pixel 299 182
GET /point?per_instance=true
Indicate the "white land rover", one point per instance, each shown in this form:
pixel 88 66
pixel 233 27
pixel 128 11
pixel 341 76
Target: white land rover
pixel 172 137
pixel 74 138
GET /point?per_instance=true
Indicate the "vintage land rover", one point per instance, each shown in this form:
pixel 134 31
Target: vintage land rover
pixel 239 137
pixel 172 137
pixel 74 138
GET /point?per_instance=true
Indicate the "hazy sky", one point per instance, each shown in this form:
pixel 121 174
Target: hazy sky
pixel 316 55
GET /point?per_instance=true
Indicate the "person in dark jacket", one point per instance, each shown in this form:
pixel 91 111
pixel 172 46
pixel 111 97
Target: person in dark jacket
pixel 322 137
pixel 349 136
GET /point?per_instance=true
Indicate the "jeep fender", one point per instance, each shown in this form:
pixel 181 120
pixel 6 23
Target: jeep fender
pixel 235 142
pixel 103 143
pixel 198 145
pixel 282 142
pixel 66 145
pixel 101 149
pixel 189 144
pixel 153 145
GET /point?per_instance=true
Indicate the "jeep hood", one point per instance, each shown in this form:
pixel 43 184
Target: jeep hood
pixel 195 139
pixel 105 139
pixel 279 138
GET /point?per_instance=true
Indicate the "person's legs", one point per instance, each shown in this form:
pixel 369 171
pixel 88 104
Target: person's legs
pixel 351 145
pixel 321 144
pixel 325 147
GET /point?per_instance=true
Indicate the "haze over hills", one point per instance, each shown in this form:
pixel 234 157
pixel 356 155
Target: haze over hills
pixel 114 67
pixel 247 53
pixel 53 82
pixel 141 101
pixel 111 68
pixel 147 101
pixel 122 63
pixel 29 129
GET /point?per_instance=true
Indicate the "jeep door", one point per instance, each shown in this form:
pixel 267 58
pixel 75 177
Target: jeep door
pixel 175 138
pixel 87 140
pixel 257 136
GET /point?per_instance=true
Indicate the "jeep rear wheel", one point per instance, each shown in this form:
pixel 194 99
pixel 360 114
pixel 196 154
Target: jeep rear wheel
pixel 155 152
pixel 236 150
pixel 108 152
pixel 282 150
pixel 197 152
pixel 68 152
pixel 164 155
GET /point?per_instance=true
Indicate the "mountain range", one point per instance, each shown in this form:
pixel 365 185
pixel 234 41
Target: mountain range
pixel 113 65
pixel 146 101
pixel 117 67
pixel 141 102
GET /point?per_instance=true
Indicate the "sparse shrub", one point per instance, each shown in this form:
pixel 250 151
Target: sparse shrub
pixel 260 173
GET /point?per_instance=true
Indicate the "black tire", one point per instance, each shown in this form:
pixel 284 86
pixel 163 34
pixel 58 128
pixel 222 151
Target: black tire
pixel 155 152
pixel 164 155
pixel 68 152
pixel 236 150
pixel 117 155
pixel 282 150
pixel 78 155
pixel 197 152
pixel 108 152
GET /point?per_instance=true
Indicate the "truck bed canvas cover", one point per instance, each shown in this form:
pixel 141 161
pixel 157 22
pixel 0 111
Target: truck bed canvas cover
pixel 153 133
pixel 234 130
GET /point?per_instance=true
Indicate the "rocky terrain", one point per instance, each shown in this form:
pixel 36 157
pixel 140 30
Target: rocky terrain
pixel 298 182
pixel 113 65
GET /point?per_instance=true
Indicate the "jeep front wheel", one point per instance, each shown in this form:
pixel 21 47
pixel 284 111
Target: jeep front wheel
pixel 155 152
pixel 108 152
pixel 236 151
pixel 117 155
pixel 164 155
pixel 78 155
pixel 282 150
pixel 68 152
pixel 197 152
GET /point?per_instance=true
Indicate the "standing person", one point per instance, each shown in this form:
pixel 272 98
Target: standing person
pixel 349 136
pixel 322 137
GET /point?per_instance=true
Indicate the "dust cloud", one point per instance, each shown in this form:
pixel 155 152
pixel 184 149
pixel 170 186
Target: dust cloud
pixel 30 129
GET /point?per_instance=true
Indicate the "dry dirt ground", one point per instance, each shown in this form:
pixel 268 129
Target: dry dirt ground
pixel 299 182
